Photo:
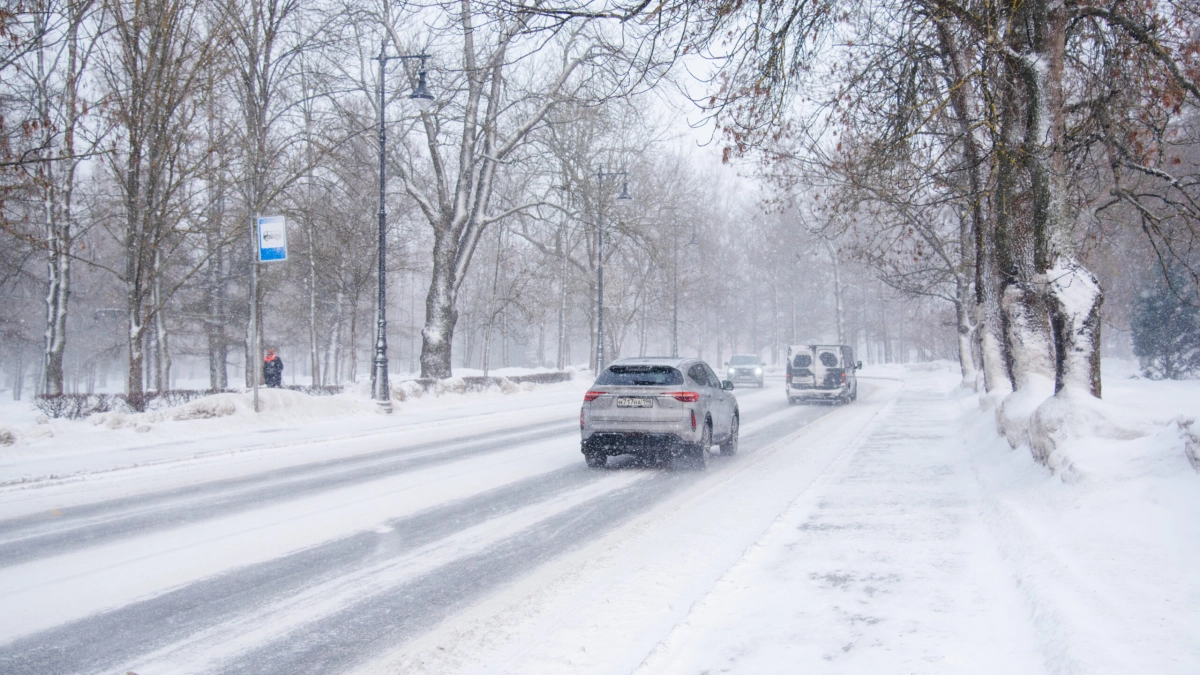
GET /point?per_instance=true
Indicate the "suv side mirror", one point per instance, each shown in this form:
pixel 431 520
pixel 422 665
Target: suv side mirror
pixel 858 366
pixel 726 385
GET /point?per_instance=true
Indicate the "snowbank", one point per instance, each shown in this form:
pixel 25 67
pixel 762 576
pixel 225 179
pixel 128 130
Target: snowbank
pixel 33 447
pixel 1105 543
pixel 1071 432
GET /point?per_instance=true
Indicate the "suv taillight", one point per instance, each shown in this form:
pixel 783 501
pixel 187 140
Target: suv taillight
pixel 593 395
pixel 683 396
pixel 789 377
pixel 693 420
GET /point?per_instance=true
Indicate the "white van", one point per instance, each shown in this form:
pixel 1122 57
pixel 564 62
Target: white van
pixel 821 372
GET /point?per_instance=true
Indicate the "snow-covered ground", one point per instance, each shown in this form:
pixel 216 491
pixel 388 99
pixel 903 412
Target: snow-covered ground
pixel 463 534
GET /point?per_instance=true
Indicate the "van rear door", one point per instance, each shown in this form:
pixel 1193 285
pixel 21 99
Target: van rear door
pixel 827 367
pixel 801 369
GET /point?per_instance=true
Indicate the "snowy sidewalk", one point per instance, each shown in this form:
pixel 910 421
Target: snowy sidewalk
pixel 883 566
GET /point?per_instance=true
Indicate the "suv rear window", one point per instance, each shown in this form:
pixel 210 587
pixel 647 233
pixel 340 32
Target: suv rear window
pixel 802 361
pixel 829 359
pixel 616 376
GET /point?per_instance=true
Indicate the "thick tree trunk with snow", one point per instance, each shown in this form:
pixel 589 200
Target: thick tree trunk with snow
pixel 1070 292
pixel 1026 334
pixel 1074 296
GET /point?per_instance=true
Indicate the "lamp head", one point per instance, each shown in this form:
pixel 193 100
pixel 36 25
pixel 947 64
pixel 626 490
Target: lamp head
pixel 421 95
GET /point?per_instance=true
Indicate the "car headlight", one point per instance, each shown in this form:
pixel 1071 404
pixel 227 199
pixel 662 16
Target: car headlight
pixel 731 371
pixel 758 371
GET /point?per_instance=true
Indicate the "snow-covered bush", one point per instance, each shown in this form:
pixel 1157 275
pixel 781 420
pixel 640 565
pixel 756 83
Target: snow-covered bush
pixel 78 406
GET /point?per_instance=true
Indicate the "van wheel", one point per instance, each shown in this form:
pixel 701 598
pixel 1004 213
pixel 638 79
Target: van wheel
pixel 596 460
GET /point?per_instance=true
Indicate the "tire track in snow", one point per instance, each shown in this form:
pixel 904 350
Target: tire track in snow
pixel 170 621
pixel 115 638
pixel 41 535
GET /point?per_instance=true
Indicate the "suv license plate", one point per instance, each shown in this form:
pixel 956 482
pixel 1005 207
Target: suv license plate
pixel 630 402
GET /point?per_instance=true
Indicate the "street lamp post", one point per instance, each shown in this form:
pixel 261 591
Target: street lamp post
pixel 600 176
pixel 380 390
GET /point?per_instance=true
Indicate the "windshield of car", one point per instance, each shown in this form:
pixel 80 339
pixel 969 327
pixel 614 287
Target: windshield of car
pixel 802 361
pixel 744 360
pixel 640 376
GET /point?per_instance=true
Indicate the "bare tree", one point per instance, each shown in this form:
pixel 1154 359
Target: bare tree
pixel 152 70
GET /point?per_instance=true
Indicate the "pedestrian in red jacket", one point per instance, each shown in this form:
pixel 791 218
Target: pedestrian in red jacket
pixel 273 369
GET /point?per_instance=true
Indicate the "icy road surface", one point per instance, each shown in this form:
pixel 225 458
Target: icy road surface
pixel 465 535
pixel 321 566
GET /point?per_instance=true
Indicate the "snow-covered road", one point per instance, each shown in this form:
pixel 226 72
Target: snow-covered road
pixel 315 566
pixel 465 535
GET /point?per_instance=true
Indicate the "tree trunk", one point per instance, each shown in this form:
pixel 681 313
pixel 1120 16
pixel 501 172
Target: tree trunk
pixel 441 313
pixel 837 293
pixel 18 375
pixel 58 197
pixel 966 358
pixel 162 373
pixel 1027 335
pixel 561 361
pixel 333 353
pixel 313 346
pixel 133 384
pixel 1073 295
pixel 1070 292
pixel 352 370
pixel 218 349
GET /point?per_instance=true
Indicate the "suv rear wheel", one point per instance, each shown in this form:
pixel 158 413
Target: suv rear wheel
pixel 596 460
pixel 700 451
pixel 729 447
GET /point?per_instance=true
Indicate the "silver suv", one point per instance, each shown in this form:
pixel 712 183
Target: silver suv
pixel 658 407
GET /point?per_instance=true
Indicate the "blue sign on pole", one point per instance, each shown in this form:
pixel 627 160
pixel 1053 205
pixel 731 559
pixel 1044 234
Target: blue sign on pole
pixel 272 239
